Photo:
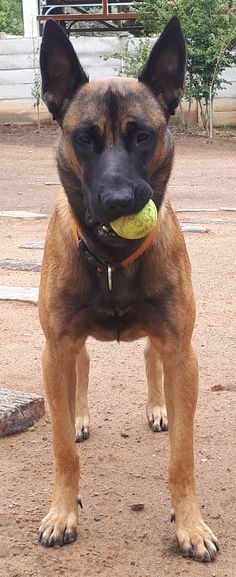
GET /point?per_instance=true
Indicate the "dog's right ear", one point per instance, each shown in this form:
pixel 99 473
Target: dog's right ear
pixel 62 73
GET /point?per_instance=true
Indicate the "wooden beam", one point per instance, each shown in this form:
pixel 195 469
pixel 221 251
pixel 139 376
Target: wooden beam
pixel 89 17
pixel 19 411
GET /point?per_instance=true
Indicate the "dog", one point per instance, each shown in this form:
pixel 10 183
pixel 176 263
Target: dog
pixel 115 153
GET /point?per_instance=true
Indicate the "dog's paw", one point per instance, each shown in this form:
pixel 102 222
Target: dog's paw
pixel 157 418
pixel 197 542
pixel 58 528
pixel 82 430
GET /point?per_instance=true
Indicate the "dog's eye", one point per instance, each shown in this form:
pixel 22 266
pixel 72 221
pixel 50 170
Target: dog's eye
pixel 85 138
pixel 142 137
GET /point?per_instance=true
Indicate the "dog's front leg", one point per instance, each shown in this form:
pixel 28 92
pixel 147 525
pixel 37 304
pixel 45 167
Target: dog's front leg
pixel 60 525
pixel 181 389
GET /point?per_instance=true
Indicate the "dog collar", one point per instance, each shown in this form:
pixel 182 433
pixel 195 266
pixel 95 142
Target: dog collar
pixel 108 268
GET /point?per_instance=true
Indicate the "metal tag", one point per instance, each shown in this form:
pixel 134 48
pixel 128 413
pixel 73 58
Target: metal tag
pixel 109 278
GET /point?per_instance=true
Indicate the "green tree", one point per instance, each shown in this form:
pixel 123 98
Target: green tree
pixel 209 27
pixel 131 57
pixel 11 19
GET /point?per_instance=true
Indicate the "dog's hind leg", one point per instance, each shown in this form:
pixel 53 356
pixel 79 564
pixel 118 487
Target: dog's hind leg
pixel 156 409
pixel 81 407
pixel 60 525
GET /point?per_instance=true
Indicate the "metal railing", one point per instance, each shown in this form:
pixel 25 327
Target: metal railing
pixel 110 14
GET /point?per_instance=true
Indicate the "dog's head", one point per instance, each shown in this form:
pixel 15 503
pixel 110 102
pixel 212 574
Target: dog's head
pixel 115 151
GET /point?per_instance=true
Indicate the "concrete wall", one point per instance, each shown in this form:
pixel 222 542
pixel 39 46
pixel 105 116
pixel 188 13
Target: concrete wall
pixel 17 62
pixel 17 72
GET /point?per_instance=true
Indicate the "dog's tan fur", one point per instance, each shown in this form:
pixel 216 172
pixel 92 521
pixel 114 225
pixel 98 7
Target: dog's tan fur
pixel 169 356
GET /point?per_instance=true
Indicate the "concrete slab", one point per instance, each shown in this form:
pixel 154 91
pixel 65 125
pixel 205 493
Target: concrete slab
pixel 33 245
pixel 207 221
pixel 220 209
pixel 197 209
pixel 24 265
pixel 21 214
pixel 198 229
pixel 25 294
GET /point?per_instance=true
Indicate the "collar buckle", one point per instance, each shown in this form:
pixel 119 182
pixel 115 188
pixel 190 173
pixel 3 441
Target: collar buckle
pixel 109 277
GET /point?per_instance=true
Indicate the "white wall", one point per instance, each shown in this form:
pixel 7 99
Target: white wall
pixel 17 70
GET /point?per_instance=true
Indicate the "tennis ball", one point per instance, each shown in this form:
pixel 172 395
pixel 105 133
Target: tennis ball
pixel 136 225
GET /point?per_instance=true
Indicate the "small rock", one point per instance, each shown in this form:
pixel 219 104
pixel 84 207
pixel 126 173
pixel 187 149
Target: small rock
pixel 216 516
pixel 217 388
pixel 137 507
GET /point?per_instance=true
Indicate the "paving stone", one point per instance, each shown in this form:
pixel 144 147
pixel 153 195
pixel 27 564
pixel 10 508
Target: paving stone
pixel 197 209
pixel 220 209
pixel 198 229
pixel 207 221
pixel 52 183
pixel 19 410
pixel 33 245
pixel 27 294
pixel 10 264
pixel 22 214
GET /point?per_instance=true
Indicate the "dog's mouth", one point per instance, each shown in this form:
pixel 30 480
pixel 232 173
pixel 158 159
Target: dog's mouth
pixel 104 232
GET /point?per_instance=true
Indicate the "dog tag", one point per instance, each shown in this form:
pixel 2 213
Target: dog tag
pixel 109 278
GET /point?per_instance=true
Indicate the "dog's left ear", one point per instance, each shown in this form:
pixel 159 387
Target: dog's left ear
pixel 165 69
pixel 62 73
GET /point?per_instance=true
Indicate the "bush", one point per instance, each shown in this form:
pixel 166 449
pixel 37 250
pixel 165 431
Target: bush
pixel 209 27
pixel 131 57
pixel 11 19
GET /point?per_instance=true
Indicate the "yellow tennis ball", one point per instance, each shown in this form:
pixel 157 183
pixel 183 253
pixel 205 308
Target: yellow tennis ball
pixel 136 225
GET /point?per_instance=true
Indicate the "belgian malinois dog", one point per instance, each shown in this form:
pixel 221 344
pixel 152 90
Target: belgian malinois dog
pixel 114 154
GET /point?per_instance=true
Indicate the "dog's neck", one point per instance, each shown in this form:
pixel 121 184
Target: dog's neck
pixel 123 263
pixel 105 267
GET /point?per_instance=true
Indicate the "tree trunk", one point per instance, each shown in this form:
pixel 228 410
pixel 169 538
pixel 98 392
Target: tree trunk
pixel 189 111
pixel 182 116
pixel 207 117
pixel 211 114
pixel 203 115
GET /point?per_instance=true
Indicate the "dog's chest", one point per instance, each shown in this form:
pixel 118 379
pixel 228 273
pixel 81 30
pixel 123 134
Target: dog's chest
pixel 118 321
pixel 119 315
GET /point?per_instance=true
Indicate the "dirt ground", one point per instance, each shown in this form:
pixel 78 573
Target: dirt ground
pixel 122 463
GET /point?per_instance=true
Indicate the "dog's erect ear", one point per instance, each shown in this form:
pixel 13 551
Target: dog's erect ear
pixel 165 69
pixel 62 73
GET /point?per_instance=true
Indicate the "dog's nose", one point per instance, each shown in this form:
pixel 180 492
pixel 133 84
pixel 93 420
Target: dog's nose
pixel 118 202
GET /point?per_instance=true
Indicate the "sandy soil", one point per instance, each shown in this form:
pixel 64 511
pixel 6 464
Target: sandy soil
pixel 123 463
